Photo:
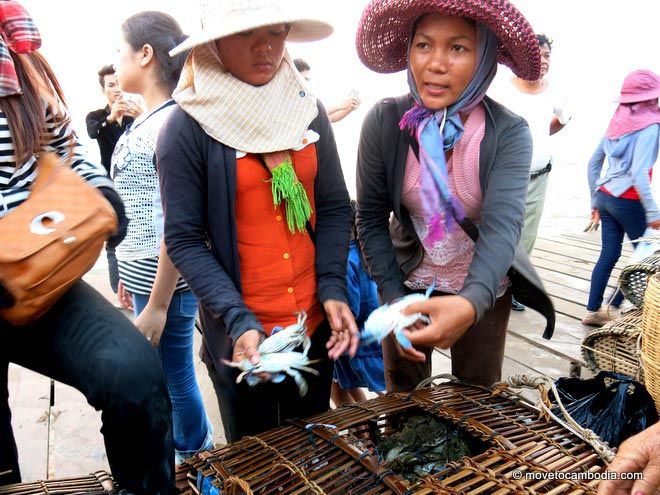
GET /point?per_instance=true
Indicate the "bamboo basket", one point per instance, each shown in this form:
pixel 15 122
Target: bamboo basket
pixel 651 339
pixel 334 452
pixel 99 483
pixel 634 279
pixel 616 346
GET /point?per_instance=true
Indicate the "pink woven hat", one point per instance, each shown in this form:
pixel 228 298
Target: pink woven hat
pixel 385 26
pixel 640 85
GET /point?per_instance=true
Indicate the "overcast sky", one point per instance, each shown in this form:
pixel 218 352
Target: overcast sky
pixel 597 42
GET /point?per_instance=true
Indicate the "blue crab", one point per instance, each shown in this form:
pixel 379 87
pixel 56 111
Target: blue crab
pixel 278 365
pixel 389 318
pixel 287 339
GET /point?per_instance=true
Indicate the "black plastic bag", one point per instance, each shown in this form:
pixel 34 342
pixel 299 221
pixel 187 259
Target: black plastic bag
pixel 614 409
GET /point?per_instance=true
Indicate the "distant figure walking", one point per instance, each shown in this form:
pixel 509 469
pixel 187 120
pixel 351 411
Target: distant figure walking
pixel 622 199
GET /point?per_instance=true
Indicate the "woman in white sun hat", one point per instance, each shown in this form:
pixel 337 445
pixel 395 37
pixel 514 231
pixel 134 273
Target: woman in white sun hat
pixel 257 216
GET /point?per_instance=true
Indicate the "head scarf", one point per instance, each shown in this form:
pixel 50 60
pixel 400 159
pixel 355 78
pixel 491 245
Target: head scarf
pixel 631 117
pixel 18 34
pixel 253 119
pixel 438 131
pixel 268 120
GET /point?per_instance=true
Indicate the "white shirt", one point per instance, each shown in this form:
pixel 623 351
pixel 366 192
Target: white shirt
pixel 538 110
pixel 136 181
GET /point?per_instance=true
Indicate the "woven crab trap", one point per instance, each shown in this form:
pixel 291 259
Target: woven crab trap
pixel 99 483
pixel 445 439
pixel 616 346
pixel 651 339
pixel 634 279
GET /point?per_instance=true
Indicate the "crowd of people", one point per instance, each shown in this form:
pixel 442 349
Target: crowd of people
pixel 231 201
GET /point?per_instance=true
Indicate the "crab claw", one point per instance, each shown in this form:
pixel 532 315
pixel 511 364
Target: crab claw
pixel 236 364
pixel 252 379
pixel 300 381
pixel 402 339
pixel 277 377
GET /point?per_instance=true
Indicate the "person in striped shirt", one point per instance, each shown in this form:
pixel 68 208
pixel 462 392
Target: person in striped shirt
pixel 82 341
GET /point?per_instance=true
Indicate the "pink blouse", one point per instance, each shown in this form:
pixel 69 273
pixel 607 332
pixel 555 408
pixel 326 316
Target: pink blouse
pixel 449 258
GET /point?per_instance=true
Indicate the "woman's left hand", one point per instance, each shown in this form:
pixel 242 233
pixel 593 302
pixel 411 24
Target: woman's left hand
pixel 451 316
pixel 151 323
pixel 345 335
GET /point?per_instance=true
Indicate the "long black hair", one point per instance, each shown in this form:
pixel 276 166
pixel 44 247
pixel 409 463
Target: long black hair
pixel 163 33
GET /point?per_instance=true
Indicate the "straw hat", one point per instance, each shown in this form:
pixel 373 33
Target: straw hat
pixel 640 85
pixel 222 18
pixel 386 25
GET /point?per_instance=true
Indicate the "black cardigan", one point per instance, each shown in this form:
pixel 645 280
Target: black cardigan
pixel 391 247
pixel 198 187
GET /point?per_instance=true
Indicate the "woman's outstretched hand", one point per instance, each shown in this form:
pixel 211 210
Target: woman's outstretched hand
pixel 450 316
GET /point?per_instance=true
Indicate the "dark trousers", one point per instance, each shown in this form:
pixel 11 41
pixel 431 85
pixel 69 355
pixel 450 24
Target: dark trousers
pixel 85 342
pixel 619 217
pixel 249 410
pixel 476 357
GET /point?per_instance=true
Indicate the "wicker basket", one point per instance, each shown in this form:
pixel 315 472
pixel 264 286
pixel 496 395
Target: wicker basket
pixel 99 483
pixel 334 452
pixel 651 339
pixel 634 278
pixel 616 346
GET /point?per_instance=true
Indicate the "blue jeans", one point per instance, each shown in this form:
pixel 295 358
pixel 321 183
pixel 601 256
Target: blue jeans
pixel 618 217
pixel 192 428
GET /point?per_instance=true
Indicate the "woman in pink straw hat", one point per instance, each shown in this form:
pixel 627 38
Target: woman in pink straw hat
pixel 452 166
pixel 622 199
pixel 257 215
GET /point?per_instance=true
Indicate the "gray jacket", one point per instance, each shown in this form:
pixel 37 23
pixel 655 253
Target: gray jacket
pixel 391 247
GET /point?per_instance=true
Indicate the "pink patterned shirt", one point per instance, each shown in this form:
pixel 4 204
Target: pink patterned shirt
pixel 449 258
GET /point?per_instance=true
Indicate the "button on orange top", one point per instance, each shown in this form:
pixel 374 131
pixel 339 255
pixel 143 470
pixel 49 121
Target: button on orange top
pixel 275 291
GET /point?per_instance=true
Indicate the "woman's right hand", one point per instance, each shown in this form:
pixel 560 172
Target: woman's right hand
pixel 246 346
pixel 451 317
pixel 125 299
pixel 595 216
pixel 117 111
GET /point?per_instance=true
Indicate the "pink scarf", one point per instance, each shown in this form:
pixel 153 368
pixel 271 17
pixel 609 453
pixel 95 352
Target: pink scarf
pixel 631 117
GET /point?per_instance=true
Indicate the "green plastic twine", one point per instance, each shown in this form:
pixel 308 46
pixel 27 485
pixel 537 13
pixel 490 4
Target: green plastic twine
pixel 286 186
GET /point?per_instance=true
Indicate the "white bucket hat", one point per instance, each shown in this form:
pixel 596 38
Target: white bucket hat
pixel 222 18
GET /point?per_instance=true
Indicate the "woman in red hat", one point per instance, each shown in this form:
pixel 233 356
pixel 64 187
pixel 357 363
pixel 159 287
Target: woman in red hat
pixel 452 166
pixel 622 199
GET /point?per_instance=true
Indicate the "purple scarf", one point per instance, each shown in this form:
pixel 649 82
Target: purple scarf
pixel 438 131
